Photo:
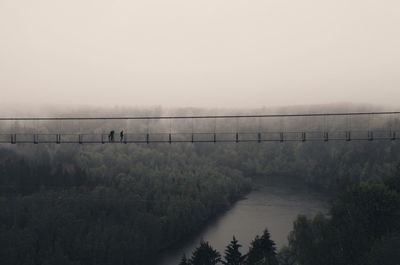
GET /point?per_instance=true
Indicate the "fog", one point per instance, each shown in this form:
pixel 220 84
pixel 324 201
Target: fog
pixel 199 53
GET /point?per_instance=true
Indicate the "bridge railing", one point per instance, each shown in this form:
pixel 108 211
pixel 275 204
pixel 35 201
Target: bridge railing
pixel 203 137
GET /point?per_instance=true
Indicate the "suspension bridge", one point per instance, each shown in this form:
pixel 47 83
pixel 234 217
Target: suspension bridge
pixel 349 126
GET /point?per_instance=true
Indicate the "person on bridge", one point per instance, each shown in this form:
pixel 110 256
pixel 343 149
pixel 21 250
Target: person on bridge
pixel 111 136
pixel 121 136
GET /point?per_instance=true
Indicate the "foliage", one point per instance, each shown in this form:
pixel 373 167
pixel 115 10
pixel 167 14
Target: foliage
pixel 362 222
pixel 286 256
pixel 205 255
pixel 106 205
pixel 232 254
pixel 262 251
pixel 385 251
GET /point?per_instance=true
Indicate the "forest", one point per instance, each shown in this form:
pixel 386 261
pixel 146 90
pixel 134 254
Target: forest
pixel 124 204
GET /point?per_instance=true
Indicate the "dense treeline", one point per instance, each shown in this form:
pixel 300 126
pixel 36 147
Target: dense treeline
pixel 107 206
pixel 262 251
pixel 323 165
pixel 362 228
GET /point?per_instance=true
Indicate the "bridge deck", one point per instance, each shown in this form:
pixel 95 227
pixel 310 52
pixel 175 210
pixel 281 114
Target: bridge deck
pixel 217 137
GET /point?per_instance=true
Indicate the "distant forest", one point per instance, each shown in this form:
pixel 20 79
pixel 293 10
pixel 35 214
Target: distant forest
pixel 123 204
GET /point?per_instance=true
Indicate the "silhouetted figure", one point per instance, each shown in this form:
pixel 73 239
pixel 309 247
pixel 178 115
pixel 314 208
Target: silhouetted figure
pixel 111 136
pixel 121 136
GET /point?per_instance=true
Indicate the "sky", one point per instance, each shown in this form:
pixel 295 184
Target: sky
pixel 208 53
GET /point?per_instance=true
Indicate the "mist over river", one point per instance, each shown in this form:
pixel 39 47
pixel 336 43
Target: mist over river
pixel 274 207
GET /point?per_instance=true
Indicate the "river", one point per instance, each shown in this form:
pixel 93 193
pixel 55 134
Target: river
pixel 272 207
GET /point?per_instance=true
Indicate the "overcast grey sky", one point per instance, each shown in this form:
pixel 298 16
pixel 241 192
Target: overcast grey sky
pixel 212 53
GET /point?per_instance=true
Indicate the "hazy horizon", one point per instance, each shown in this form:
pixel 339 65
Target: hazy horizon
pixel 213 54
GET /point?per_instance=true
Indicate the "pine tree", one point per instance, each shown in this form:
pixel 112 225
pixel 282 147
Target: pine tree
pixel 232 253
pixel 205 255
pixel 184 260
pixel 262 251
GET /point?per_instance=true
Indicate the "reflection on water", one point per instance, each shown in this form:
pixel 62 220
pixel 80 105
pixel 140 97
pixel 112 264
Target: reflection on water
pixel 273 207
